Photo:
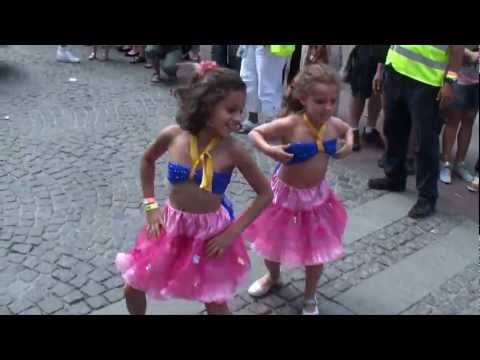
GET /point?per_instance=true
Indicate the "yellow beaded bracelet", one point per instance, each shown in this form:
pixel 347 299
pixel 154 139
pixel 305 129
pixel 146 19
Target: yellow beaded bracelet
pixel 151 207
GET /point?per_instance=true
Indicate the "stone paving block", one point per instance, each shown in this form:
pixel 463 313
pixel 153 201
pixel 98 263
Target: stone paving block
pixel 78 281
pixel 96 302
pixel 99 275
pixel 61 289
pixel 22 249
pixel 28 275
pixel 63 275
pixel 73 297
pixel 259 308
pixel 273 301
pixel 50 305
pixel 114 295
pixel 92 288
pixel 288 292
pixel 32 311
pixel 19 305
pixel 45 268
pixel 286 310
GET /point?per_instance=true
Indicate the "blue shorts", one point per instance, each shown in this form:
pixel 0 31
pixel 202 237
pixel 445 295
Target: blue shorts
pixel 466 97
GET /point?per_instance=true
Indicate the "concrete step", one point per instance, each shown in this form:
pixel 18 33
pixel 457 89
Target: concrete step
pixel 398 287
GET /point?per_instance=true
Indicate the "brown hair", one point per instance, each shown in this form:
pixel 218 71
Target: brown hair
pixel 195 102
pixel 302 83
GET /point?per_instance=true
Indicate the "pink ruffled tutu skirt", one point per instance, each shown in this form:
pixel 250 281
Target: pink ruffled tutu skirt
pixel 301 227
pixel 175 264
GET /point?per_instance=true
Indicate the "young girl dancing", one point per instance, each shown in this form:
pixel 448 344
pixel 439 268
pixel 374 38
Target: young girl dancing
pixel 305 223
pixel 191 248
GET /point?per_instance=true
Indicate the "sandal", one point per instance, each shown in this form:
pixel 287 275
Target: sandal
pixel 147 66
pixel 311 302
pixel 138 60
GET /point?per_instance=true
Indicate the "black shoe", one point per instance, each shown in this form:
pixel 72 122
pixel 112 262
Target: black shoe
pixel 374 138
pixel 385 184
pixel 410 165
pixel 421 209
pixel 356 140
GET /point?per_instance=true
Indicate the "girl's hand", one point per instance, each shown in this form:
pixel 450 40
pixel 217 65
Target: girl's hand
pixel 217 245
pixel 154 222
pixel 344 151
pixel 278 152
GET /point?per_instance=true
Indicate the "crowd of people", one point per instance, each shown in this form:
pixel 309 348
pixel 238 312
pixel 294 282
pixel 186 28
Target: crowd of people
pixel 286 98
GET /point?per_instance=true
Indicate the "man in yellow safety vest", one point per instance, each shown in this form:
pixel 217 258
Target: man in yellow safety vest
pixel 418 86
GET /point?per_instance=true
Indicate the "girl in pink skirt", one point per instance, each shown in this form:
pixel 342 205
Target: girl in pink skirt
pixel 191 248
pixel 305 223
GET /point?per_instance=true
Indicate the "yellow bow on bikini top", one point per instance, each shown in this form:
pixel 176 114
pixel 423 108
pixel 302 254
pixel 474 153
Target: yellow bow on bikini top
pixel 207 162
pixel 317 133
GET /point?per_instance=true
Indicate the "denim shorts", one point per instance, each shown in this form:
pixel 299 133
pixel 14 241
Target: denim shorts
pixel 466 97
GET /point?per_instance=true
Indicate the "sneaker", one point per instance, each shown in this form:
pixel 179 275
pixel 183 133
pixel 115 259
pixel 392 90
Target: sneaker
pixel 473 186
pixel 356 140
pixel 421 209
pixel 386 184
pixel 65 55
pixel 155 79
pixel 446 173
pixel 463 172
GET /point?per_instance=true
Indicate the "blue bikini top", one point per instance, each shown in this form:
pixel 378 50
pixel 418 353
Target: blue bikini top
pixel 178 173
pixel 304 151
pixel 205 177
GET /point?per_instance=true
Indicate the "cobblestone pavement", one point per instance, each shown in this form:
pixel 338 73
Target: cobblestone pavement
pixel 70 194
pixel 367 257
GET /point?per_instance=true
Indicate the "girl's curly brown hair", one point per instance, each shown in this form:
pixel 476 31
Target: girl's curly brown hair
pixel 303 82
pixel 196 102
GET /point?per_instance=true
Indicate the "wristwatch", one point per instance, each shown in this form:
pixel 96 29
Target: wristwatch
pixel 451 81
pixel 451 77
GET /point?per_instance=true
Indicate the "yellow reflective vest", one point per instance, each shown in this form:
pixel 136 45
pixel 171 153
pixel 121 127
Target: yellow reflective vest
pixel 282 50
pixel 425 63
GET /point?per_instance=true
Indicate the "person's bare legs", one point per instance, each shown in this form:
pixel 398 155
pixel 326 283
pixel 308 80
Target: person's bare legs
pixel 312 276
pixel 217 309
pixel 136 301
pixel 464 136
pixel 357 105
pixel 449 134
pixel 272 276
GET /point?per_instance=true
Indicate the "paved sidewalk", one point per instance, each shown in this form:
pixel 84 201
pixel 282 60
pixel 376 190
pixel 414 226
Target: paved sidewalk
pixel 70 199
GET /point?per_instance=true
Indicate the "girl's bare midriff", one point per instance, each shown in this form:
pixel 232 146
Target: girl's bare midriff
pixel 189 197
pixel 306 174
